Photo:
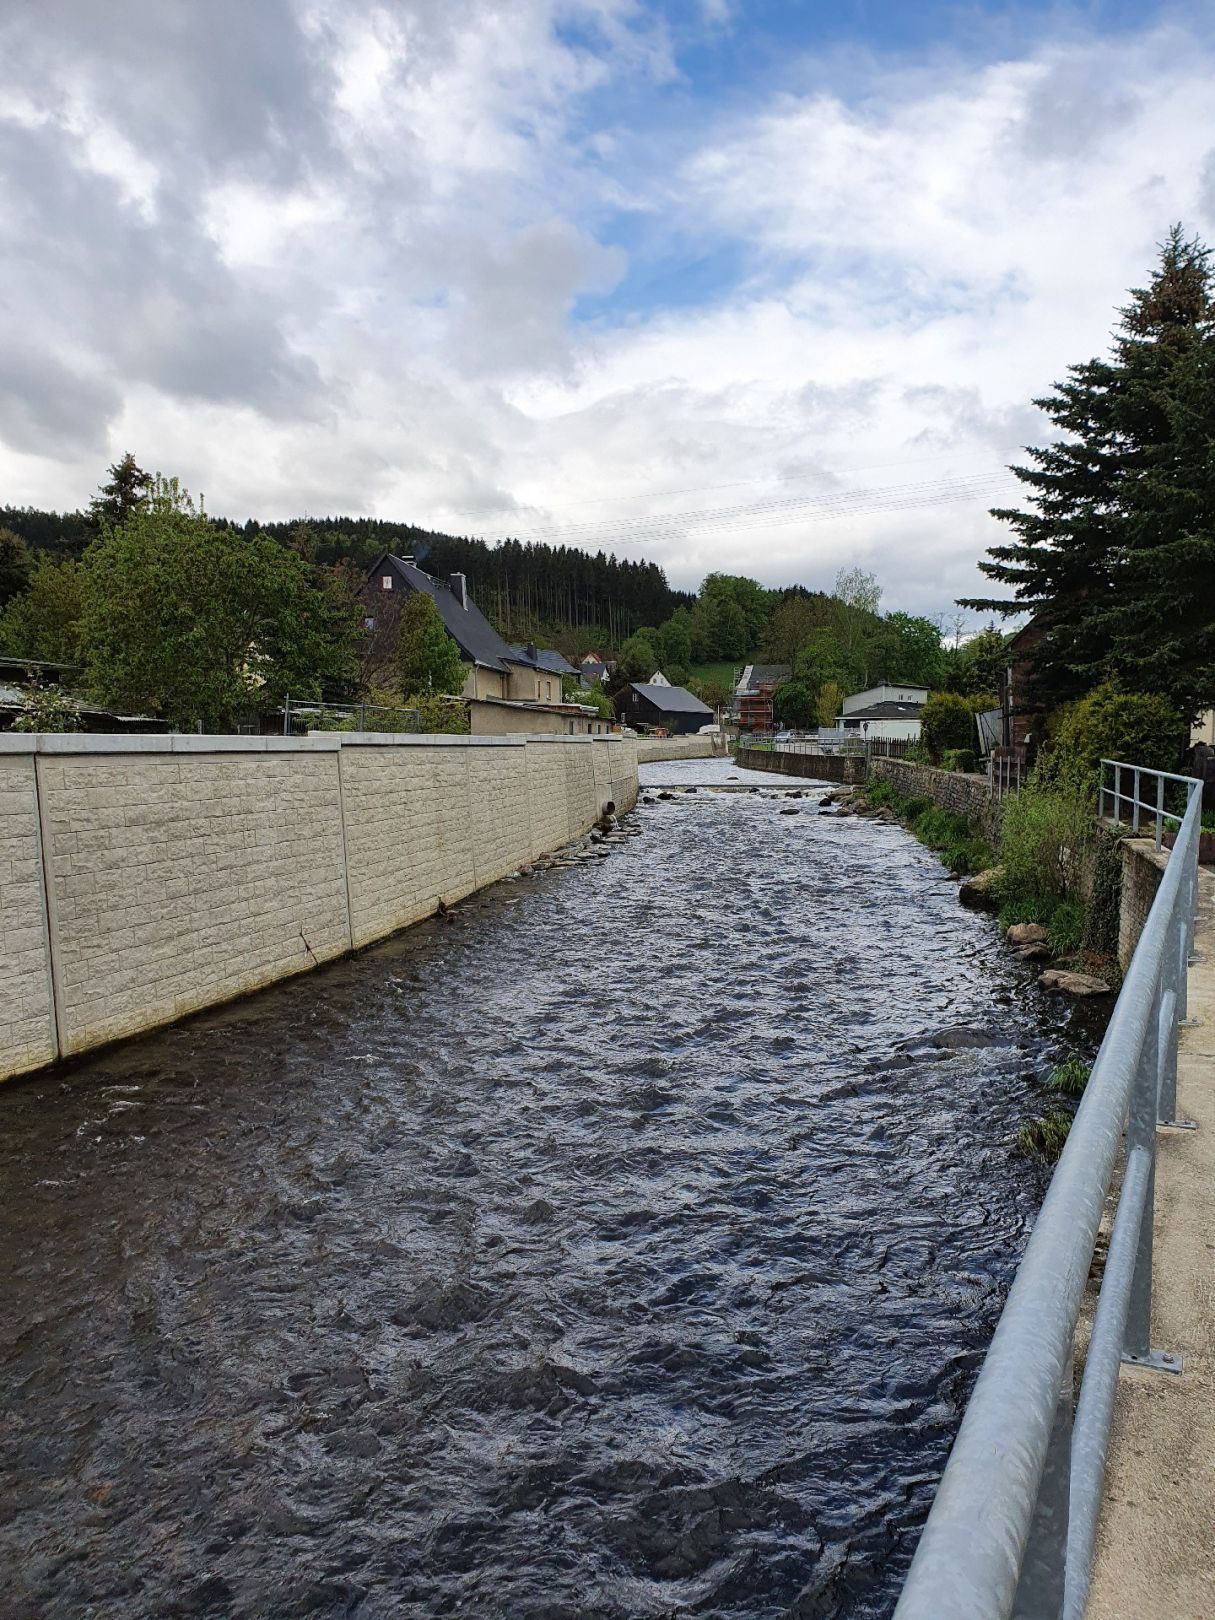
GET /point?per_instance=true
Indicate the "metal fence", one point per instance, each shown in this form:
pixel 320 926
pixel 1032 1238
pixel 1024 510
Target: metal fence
pixel 1004 774
pixel 1120 797
pixel 1012 1530
pixel 301 715
pixel 834 741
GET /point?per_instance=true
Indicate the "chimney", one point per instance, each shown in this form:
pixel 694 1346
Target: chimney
pixel 530 649
pixel 459 588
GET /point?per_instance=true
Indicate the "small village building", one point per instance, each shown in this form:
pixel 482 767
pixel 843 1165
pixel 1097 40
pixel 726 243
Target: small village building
pixel 888 711
pixel 667 708
pixel 21 678
pixel 494 668
pixel 753 694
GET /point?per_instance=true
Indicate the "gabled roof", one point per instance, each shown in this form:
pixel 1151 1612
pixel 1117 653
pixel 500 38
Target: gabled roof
pixel 464 622
pixel 670 699
pixel 757 675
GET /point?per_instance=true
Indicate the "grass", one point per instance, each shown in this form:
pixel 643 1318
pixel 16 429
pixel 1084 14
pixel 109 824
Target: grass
pixel 722 673
pixel 1070 1077
pixel 1044 1138
pixel 954 839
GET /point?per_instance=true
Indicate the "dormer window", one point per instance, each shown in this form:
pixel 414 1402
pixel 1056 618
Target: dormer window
pixel 385 582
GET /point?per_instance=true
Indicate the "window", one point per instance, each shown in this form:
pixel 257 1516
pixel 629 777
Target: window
pixel 369 623
pixel 385 582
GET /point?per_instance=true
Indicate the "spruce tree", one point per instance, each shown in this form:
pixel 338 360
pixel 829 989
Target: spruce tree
pixel 1114 557
pixel 128 485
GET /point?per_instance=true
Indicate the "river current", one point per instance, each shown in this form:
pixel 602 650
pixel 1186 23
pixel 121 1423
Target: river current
pixel 623 1245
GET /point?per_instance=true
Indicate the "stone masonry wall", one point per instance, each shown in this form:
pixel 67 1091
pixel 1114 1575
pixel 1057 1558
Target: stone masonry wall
pixel 650 749
pixel 142 878
pixel 818 767
pixel 1142 869
pixel 964 795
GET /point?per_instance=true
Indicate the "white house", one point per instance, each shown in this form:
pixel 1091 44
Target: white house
pixel 889 710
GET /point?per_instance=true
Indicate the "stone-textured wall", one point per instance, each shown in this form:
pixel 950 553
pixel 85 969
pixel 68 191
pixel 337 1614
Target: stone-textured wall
pixel 1142 869
pixel 183 871
pixel 27 1019
pixel 819 767
pixel 967 796
pixel 650 749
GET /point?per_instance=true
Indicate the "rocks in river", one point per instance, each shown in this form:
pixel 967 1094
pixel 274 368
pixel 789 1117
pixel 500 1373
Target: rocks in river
pixel 789 810
pixel 665 795
pixel 1039 951
pixel 979 891
pixel 1027 934
pixel 961 1038
pixel 1073 984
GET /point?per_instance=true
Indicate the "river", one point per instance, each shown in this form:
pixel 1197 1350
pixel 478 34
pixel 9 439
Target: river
pixel 622 1245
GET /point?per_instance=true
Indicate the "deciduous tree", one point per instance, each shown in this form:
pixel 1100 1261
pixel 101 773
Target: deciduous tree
pixel 201 623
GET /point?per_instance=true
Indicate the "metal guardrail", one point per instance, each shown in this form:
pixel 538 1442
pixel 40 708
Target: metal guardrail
pixel 1113 800
pixel 1014 1524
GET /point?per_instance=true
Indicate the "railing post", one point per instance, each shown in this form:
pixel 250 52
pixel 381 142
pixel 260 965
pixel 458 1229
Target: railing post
pixel 1040 1587
pixel 1159 812
pixel 1117 792
pixel 1141 1133
pixel 1135 802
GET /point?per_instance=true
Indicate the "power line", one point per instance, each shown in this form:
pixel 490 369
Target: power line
pixel 764 514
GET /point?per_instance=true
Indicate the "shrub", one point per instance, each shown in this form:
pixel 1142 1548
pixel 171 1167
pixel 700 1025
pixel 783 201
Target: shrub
pixel 960 759
pixel 946 722
pixel 1026 908
pixel 1046 832
pixel 47 708
pixel 1044 1138
pixel 1142 728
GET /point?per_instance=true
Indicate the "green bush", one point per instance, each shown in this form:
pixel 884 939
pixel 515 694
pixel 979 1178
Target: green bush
pixel 946 722
pixel 1046 832
pixel 1141 728
pixel 960 759
pixel 959 844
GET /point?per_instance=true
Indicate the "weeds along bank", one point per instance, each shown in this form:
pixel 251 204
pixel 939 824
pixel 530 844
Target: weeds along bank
pixel 144 878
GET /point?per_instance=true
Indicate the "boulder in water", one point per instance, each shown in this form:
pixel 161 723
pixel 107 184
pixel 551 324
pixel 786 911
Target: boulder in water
pixel 1027 934
pixel 1073 984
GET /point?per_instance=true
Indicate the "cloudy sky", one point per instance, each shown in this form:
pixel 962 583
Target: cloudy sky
pixel 761 285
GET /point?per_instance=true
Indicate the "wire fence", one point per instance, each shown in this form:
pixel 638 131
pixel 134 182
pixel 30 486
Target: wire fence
pixel 302 715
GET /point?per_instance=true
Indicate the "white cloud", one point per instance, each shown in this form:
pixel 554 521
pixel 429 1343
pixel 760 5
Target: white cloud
pixel 363 291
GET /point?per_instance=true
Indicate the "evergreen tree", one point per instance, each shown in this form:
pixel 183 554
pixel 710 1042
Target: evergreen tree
pixel 14 564
pixel 128 485
pixel 428 660
pixel 1116 556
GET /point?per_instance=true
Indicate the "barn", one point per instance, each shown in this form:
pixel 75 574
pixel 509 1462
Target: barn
pixel 672 709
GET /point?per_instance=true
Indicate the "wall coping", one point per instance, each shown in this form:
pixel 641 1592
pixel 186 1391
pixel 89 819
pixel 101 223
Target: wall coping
pixel 324 742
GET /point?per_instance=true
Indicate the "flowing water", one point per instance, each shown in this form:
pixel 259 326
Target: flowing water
pixel 623 1245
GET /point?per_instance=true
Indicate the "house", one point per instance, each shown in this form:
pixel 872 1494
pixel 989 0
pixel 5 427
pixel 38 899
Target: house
pixel 1021 712
pixel 494 669
pixel 667 708
pixel 753 695
pixel 593 668
pixel 886 710
pixel 658 679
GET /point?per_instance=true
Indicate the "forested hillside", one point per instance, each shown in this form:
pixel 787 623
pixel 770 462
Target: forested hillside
pixel 546 593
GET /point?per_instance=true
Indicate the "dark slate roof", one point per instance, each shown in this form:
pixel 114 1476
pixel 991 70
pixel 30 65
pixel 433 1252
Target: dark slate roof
pixel 671 699
pixel 768 675
pixel 593 671
pixel 886 711
pixel 544 658
pixel 467 626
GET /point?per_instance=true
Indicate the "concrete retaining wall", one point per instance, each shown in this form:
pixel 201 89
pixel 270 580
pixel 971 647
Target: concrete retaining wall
pixel 819 767
pixel 142 878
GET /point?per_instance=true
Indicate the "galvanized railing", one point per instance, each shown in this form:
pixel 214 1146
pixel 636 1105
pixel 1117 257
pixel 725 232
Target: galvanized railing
pixel 1012 1530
